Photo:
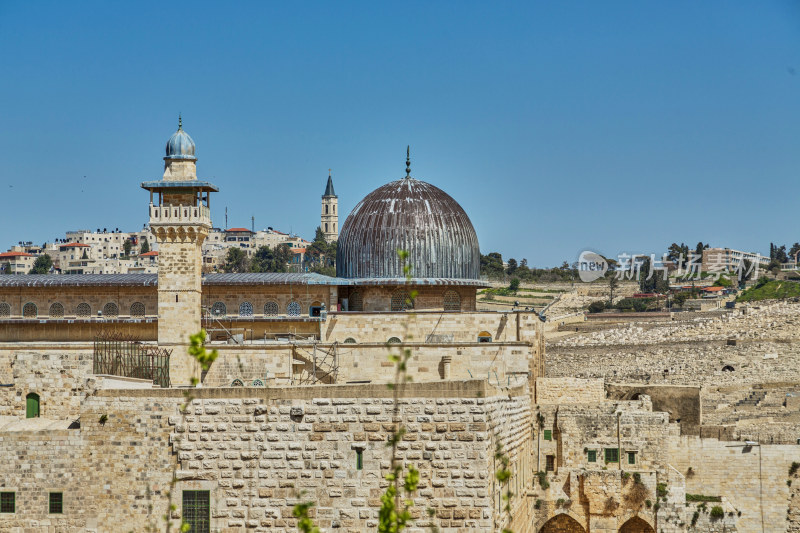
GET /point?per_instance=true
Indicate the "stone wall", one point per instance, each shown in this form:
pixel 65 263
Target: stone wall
pixel 752 479
pixel 418 326
pixel 569 390
pixel 62 379
pixel 261 451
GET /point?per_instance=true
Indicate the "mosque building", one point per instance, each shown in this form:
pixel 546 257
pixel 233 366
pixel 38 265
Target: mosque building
pixel 372 280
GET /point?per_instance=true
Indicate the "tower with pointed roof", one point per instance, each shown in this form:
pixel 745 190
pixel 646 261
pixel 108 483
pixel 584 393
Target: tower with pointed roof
pixel 180 219
pixel 330 215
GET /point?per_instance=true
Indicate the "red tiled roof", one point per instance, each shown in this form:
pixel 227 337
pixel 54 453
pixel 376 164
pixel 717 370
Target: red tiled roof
pixel 714 289
pixel 73 245
pixel 239 229
pixel 15 254
pixel 148 254
pixel 298 251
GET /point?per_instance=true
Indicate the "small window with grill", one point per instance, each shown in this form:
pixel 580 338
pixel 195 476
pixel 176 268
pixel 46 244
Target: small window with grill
pixel 401 300
pixel 293 309
pixel 355 302
pixel 591 456
pixel 197 510
pixel 137 310
pixel 83 310
pixel 631 458
pixel 56 310
pixel 451 301
pixel 550 464
pixel 5 310
pixel 8 502
pixel 56 503
pixel 245 309
pixel 110 310
pixel 29 310
pixel 612 455
pixel 219 309
pixel 271 309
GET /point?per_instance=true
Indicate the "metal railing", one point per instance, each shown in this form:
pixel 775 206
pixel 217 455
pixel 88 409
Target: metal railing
pixel 119 355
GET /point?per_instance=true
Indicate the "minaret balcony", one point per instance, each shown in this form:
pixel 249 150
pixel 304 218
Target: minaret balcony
pixel 180 214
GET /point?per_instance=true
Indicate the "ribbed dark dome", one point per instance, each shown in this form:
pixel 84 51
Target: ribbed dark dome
pixel 414 216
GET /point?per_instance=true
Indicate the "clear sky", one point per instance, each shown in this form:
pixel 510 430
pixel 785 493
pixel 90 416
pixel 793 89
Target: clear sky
pixel 558 126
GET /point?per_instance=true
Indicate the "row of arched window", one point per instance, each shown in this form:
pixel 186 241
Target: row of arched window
pixel 402 301
pixel 483 336
pixel 82 310
pixel 271 308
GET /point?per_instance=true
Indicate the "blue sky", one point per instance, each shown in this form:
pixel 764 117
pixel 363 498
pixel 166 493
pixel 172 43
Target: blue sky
pixel 559 126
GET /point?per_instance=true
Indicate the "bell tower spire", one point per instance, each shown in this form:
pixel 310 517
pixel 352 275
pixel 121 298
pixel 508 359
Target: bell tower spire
pixel 329 223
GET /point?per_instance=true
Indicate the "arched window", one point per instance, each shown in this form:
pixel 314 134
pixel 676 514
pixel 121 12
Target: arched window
pixel 350 340
pixel 393 340
pixel 83 310
pixel 30 310
pixel 219 309
pixel 271 309
pixel 293 309
pixel 326 227
pixel 727 368
pixel 32 405
pixel 401 300
pixel 326 212
pixel 451 301
pixel 355 302
pixel 137 310
pixel 56 310
pixel 110 310
pixel 5 310
pixel 484 336
pixel 237 383
pixel 245 309
pixel 334 226
pixel 334 208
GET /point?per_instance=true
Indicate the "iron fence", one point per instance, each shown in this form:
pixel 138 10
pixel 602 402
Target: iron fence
pixel 119 355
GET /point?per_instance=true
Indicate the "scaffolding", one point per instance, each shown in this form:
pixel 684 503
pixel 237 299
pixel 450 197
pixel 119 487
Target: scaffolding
pixel 319 365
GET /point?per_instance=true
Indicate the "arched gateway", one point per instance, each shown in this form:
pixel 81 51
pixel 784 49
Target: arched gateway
pixel 636 525
pixel 562 523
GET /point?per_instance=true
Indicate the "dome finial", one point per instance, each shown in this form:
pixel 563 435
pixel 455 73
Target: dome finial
pixel 180 122
pixel 408 161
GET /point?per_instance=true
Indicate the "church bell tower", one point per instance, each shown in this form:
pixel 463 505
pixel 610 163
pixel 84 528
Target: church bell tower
pixel 330 217
pixel 180 219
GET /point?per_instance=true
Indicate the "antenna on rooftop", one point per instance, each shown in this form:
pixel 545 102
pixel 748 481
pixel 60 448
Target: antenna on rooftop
pixel 226 217
pixel 253 223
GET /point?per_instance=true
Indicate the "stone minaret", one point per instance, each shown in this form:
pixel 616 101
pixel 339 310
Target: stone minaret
pixel 330 218
pixel 180 220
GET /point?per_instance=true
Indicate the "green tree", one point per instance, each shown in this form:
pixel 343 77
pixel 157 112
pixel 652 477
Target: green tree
pixel 126 247
pixel 42 265
pixel 236 260
pixel 652 281
pixel 679 254
pixel 145 247
pixel 85 255
pixel 492 265
pixel 700 247
pixel 613 283
pixel 512 266
pixel 793 251
pixel 514 285
pixel 267 259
